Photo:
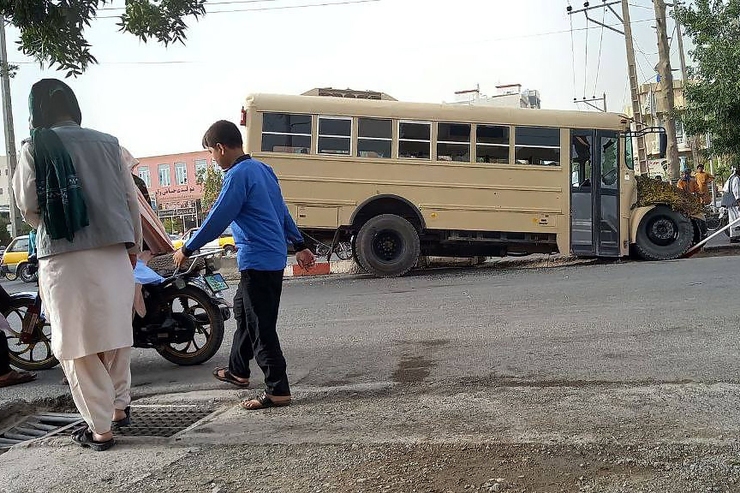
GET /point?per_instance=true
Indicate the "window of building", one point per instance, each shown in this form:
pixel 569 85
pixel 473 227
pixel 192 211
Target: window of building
pixel 1 191
pixel 200 168
pixel 537 145
pixel 181 173
pixel 680 134
pixel 492 144
pixel 414 140
pixel 144 175
pixel 164 175
pixel 374 137
pixel 453 142
pixel 284 132
pixel 335 135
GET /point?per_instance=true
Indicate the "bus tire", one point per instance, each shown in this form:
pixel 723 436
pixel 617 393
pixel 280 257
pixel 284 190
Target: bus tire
pixel 387 246
pixel 663 234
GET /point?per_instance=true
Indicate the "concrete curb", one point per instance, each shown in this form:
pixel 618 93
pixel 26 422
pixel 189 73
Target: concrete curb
pixel 349 267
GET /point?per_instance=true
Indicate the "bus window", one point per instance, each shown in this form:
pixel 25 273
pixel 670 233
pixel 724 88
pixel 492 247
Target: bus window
pixel 492 144
pixel 335 135
pixel 609 169
pixel 283 132
pixel 414 140
pixel 580 156
pixel 453 142
pixel 629 153
pixel 374 137
pixel 536 145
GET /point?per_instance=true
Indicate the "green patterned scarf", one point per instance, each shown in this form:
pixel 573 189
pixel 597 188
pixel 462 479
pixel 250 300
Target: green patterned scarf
pixel 61 201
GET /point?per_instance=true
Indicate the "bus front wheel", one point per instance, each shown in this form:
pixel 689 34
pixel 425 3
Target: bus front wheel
pixel 387 246
pixel 663 234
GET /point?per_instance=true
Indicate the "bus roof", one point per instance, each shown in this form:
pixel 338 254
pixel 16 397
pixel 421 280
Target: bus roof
pixel 439 112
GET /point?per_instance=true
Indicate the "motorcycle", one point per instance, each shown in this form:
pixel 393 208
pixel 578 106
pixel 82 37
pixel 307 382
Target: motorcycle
pixel 183 317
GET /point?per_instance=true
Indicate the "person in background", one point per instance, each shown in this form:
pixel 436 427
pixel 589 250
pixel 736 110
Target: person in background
pixel 703 179
pixel 252 202
pixel 687 182
pixel 731 200
pixel 74 186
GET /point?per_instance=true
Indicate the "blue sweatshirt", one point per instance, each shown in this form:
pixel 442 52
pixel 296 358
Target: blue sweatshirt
pixel 251 201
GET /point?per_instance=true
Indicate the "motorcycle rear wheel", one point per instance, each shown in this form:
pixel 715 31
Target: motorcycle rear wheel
pixel 209 327
pixel 32 356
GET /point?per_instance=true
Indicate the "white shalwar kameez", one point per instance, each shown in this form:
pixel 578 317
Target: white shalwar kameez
pixel 88 297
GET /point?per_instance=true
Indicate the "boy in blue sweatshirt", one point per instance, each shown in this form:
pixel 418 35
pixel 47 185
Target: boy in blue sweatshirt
pixel 252 203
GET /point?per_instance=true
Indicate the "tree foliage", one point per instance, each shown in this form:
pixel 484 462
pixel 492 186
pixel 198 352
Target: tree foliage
pixel 212 181
pixel 713 93
pixel 53 31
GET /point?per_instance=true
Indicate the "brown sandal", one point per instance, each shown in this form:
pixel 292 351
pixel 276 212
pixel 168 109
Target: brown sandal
pixel 16 377
pixel 263 401
pixel 229 377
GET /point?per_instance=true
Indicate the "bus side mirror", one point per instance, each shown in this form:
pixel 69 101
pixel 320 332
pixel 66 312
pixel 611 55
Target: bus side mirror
pixel 663 144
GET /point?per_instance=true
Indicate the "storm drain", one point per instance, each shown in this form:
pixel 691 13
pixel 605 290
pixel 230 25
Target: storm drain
pixel 39 426
pixel 146 421
pixel 162 421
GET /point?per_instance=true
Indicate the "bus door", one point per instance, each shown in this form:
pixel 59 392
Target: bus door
pixel 594 193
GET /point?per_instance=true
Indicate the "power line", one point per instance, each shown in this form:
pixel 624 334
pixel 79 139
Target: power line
pixel 598 62
pixel 585 64
pixel 572 53
pixel 219 2
pixel 281 7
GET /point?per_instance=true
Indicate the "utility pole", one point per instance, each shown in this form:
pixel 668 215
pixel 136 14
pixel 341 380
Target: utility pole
pixel 634 86
pixel 693 141
pixel 9 130
pixel 666 109
pixel 631 67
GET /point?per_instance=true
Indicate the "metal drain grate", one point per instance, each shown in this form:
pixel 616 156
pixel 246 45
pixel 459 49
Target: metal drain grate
pixel 38 426
pixel 162 421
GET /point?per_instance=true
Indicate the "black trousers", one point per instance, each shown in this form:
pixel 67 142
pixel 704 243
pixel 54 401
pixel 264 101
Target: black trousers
pixel 256 306
pixel 4 356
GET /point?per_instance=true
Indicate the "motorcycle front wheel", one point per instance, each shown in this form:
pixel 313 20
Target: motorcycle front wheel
pixel 209 327
pixel 35 355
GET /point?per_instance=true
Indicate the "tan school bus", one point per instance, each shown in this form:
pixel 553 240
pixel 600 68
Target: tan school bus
pixel 404 180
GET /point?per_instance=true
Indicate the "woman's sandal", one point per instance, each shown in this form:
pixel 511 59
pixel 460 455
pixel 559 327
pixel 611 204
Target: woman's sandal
pixel 229 377
pixel 124 421
pixel 84 438
pixel 263 401
pixel 16 377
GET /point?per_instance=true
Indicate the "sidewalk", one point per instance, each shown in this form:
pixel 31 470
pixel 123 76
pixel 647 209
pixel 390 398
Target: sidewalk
pixel 389 437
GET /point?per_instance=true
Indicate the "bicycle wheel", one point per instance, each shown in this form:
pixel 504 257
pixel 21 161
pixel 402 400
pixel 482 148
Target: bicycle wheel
pixel 322 249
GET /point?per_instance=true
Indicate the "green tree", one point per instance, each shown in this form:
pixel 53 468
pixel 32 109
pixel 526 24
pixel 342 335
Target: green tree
pixel 212 181
pixel 53 31
pixel 5 237
pixel 713 92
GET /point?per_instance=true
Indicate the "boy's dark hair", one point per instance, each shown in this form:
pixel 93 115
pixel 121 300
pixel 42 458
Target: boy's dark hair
pixel 225 133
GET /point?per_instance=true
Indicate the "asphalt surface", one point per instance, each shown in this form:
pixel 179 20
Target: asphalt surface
pixel 617 322
pixel 603 377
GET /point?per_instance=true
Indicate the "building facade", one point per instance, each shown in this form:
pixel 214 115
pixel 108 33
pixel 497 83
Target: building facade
pixel 650 105
pixel 507 96
pixel 172 181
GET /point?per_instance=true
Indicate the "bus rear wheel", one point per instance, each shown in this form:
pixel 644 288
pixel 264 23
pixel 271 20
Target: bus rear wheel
pixel 663 234
pixel 387 246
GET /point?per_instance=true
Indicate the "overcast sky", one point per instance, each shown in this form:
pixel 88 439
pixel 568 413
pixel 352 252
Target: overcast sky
pixel 160 100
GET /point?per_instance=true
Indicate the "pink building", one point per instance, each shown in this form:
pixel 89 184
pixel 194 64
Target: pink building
pixel 172 183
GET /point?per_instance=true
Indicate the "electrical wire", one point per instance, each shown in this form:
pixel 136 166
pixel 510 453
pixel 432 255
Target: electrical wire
pixel 281 7
pixel 572 54
pixel 601 40
pixel 585 64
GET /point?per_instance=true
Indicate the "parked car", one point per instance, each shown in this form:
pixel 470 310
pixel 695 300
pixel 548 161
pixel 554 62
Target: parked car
pixel 224 242
pixel 15 259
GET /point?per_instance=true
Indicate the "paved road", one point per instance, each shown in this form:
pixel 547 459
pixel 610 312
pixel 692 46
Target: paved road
pixel 624 322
